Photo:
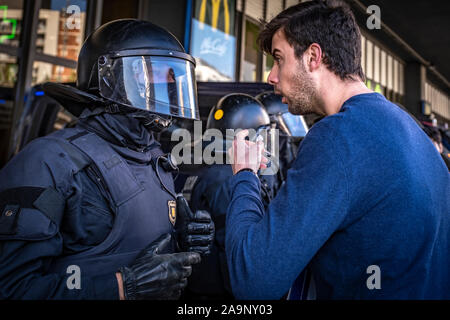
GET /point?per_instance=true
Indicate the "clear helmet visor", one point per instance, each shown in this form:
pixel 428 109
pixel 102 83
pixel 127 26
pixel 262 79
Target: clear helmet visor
pixel 293 125
pixel 159 84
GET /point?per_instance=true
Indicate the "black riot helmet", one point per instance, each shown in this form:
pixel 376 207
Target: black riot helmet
pixel 272 102
pixel 291 125
pixel 238 111
pixel 135 67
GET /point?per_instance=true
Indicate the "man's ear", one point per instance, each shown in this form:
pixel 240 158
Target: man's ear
pixel 314 57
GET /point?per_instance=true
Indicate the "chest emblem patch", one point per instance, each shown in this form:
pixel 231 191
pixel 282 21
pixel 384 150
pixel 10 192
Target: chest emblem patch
pixel 172 211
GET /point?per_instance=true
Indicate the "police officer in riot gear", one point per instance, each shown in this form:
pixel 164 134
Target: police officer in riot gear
pixel 210 191
pixel 90 212
pixel 242 111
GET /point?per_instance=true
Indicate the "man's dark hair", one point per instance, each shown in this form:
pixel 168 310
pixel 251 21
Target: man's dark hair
pixel 330 24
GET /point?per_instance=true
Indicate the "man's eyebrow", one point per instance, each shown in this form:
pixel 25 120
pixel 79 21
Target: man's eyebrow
pixel 275 52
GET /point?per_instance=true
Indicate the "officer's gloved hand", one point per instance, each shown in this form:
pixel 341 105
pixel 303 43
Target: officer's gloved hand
pixel 195 231
pixel 156 276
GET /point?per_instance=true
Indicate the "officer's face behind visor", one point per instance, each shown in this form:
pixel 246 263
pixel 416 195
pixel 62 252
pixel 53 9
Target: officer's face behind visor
pixel 165 85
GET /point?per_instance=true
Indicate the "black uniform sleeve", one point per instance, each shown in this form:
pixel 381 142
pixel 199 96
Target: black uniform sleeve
pixel 29 231
pixel 23 275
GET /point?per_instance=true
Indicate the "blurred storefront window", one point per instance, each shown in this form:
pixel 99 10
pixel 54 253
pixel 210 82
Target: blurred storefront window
pixel 44 72
pixel 268 66
pixel 384 72
pixel 8 70
pixel 437 101
pixel 60 33
pixel 11 19
pixel 252 56
pixel 213 43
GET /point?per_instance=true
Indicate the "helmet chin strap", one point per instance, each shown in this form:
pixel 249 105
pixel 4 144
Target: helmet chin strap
pixel 151 121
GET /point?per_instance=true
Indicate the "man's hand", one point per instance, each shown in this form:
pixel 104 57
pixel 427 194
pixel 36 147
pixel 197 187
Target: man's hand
pixel 245 154
pixel 156 276
pixel 195 231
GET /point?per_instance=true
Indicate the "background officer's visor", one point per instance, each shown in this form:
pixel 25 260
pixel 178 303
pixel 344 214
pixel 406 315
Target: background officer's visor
pixel 164 85
pixel 293 125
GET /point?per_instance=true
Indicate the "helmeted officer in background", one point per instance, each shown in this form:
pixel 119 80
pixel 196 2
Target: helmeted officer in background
pixel 89 212
pixel 292 129
pixel 209 191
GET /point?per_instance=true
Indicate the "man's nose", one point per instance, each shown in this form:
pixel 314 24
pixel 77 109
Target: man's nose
pixel 273 77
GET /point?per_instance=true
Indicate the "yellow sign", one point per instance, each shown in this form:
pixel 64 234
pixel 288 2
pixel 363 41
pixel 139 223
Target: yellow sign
pixel 215 13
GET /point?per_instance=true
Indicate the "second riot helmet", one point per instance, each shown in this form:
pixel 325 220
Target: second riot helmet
pixel 291 125
pixel 237 111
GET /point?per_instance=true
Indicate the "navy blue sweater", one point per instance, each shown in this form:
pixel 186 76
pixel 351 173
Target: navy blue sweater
pixel 367 188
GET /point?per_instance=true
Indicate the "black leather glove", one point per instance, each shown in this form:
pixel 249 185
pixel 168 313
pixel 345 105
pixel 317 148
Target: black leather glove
pixel 158 276
pixel 195 231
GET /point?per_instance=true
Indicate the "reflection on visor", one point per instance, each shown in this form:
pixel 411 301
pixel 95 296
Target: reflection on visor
pixel 159 84
pixel 295 125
